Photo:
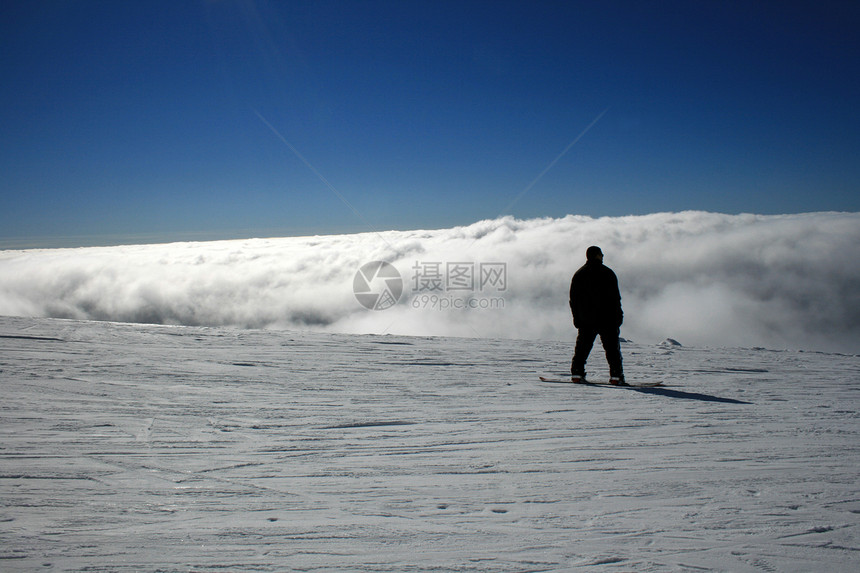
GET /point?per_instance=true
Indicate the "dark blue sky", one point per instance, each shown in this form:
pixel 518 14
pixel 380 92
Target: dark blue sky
pixel 158 119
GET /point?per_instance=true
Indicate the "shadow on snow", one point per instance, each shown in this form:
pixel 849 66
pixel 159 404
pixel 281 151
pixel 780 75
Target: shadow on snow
pixel 668 392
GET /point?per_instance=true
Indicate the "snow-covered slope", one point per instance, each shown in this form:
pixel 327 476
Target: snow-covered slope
pixel 141 448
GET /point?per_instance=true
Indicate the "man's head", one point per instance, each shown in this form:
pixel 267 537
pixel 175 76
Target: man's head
pixel 593 254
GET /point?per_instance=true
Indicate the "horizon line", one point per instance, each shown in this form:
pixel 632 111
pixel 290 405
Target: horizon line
pixel 96 240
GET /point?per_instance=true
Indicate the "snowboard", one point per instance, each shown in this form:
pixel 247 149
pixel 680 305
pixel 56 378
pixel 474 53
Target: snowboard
pixel 587 383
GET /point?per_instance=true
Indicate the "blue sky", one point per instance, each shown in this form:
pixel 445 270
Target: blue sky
pixel 165 119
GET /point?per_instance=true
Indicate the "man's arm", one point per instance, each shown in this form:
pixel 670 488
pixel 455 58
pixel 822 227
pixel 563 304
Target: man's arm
pixel 619 314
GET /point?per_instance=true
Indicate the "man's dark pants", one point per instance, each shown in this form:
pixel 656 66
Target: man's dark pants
pixel 611 345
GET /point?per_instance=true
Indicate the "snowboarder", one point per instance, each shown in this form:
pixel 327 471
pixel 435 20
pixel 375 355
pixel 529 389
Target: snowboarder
pixel 595 302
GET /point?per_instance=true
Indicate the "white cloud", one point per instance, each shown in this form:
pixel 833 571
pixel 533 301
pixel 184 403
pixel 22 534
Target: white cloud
pixel 702 278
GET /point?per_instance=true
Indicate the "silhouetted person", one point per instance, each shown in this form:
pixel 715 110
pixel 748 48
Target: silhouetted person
pixel 595 302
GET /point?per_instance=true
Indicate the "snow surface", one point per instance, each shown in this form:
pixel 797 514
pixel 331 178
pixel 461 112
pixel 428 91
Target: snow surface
pixel 141 448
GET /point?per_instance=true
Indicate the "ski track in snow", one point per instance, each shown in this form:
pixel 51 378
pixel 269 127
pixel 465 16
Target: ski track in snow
pixel 141 448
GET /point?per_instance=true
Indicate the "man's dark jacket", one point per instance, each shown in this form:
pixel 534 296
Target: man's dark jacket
pixel 594 297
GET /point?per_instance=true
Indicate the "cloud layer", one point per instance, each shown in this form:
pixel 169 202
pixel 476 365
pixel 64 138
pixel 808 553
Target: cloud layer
pixel 788 281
